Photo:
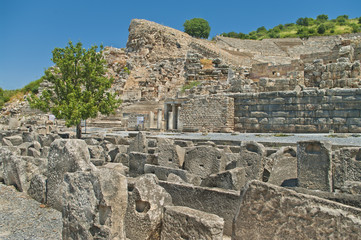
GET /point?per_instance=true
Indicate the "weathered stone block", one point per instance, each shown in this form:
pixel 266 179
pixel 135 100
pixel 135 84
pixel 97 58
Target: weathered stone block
pixel 139 144
pixel 233 179
pixel 346 166
pixel 314 168
pixel 66 155
pixel 284 170
pixel 252 156
pixel 145 208
pixel 162 173
pixel 204 160
pixel 169 154
pixel 187 223
pixel 95 204
pixel 264 207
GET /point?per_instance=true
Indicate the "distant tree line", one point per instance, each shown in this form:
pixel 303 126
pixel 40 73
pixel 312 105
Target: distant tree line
pixel 304 27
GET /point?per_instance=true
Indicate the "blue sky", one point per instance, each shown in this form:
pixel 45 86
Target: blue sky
pixel 30 30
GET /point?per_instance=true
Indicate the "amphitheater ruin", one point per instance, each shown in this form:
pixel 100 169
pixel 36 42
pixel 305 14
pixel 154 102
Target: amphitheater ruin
pixel 127 180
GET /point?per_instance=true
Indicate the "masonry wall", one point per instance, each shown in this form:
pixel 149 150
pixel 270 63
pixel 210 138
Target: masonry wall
pixel 299 112
pixel 215 114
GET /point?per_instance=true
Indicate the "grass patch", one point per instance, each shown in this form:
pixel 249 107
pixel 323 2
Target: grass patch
pixel 190 85
pixel 282 135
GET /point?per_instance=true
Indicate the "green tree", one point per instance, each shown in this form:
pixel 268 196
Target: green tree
pixel 321 29
pixel 359 20
pixel 197 27
pixel 79 86
pixel 322 18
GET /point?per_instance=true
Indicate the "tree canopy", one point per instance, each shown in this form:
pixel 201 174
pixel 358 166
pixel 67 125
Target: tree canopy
pixel 79 87
pixel 197 27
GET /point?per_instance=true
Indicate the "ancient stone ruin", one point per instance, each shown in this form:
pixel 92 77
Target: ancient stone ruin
pixel 142 184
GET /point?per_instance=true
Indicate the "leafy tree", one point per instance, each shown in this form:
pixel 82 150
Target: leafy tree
pixel 342 19
pixel 79 86
pixel 322 18
pixel 305 21
pixel 197 27
pixel 321 29
pixel 359 20
pixel 355 28
pixel 261 29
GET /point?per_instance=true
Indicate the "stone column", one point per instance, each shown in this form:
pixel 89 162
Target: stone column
pixel 174 109
pixel 170 121
pixel 179 124
pixel 151 120
pixel 159 119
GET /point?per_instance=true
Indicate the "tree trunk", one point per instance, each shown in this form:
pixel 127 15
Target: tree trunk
pixel 78 131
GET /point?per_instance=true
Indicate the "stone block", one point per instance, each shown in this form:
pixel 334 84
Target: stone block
pixel 139 143
pixel 267 211
pixel 37 188
pixel 314 168
pixel 252 158
pixel 65 155
pixel 145 208
pixel 169 154
pixel 95 204
pixel 284 170
pixel 223 203
pixel 162 173
pixel 346 166
pixel 187 223
pixel 233 179
pixel 136 163
pixel 204 160
pixel 15 140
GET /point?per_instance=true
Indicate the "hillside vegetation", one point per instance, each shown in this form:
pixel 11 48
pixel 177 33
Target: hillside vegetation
pixel 7 95
pixel 304 28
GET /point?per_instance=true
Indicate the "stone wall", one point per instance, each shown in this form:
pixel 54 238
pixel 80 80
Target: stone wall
pixel 302 112
pixel 331 75
pixel 215 114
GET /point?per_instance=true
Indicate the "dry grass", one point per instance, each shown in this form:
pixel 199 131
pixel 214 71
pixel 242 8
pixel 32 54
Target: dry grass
pixel 18 96
pixel 207 63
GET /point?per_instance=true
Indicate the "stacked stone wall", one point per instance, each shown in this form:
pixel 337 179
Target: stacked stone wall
pixel 299 112
pixel 215 114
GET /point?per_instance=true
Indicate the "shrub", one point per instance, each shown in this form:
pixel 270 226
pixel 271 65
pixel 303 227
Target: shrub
pixel 321 29
pixel 359 20
pixel 190 85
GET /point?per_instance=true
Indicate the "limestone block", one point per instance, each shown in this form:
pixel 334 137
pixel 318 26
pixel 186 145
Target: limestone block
pixel 284 171
pixel 162 173
pixel 46 140
pixel 37 188
pixel 314 168
pixel 252 158
pixel 32 152
pixel 15 140
pixel 14 169
pixel 122 158
pixel 267 211
pixel 346 166
pixel 221 202
pixel 351 187
pixel 233 179
pixel 204 160
pixel 65 155
pixel 139 144
pixel 145 208
pixel 96 151
pixel 136 163
pixel 169 154
pixel 95 204
pixel 187 223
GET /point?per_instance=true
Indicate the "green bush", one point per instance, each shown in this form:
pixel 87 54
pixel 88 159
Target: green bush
pixel 321 29
pixel 359 20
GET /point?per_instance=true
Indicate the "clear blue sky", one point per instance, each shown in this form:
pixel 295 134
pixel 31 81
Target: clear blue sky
pixel 31 29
